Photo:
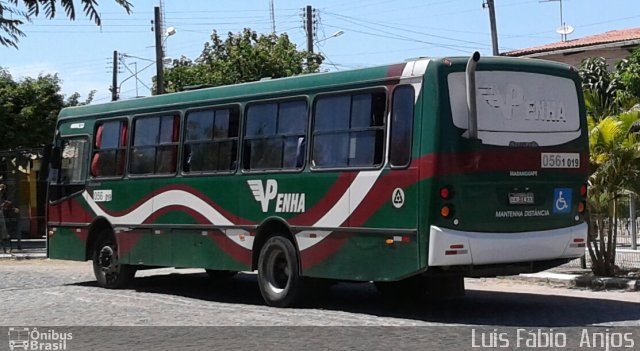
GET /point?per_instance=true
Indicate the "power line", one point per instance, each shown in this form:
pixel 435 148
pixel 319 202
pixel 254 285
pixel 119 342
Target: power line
pixel 355 20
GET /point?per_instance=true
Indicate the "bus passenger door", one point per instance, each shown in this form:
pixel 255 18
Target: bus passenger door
pixel 66 214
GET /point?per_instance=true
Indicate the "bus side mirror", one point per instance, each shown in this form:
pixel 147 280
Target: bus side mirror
pixel 55 157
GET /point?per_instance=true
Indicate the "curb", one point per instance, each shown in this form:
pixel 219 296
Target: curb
pixel 23 256
pixel 582 281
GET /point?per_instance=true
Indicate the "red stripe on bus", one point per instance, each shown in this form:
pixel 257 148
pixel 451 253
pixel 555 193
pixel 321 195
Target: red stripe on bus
pixel 69 210
pixel 228 215
pixel 127 241
pixel 337 190
pixel 319 252
pixel 499 160
pixel 227 245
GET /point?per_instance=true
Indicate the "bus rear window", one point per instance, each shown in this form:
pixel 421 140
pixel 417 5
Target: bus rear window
pixel 517 102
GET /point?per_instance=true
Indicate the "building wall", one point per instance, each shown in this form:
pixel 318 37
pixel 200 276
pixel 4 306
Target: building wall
pixel 613 56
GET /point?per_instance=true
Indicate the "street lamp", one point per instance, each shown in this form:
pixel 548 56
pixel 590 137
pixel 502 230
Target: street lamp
pixel 170 31
pixel 336 34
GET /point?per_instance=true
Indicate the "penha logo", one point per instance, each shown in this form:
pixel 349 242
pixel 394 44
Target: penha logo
pixel 33 339
pixel 285 202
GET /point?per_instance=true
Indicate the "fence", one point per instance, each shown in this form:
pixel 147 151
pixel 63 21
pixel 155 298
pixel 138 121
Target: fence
pixel 19 170
pixel 626 259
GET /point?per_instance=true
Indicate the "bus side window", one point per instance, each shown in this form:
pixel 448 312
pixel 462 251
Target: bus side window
pixel 95 160
pixel 349 130
pixel 274 135
pixel 167 151
pixel 211 140
pixel 401 126
pixel 155 145
pixel 109 149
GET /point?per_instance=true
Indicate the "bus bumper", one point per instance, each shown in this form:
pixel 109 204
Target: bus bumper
pixel 449 247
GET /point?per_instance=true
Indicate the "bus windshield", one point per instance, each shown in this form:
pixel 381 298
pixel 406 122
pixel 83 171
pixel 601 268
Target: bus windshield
pixel 519 107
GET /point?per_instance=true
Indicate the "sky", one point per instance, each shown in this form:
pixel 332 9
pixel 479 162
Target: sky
pixel 376 32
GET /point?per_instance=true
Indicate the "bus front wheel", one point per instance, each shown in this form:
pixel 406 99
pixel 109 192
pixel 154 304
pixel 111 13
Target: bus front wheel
pixel 109 272
pixel 279 273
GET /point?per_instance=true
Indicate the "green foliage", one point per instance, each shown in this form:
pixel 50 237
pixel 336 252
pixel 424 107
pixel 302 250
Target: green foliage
pixel 242 57
pixel 615 162
pixel 610 92
pixel 628 72
pixel 28 109
pixel 600 87
pixel 11 26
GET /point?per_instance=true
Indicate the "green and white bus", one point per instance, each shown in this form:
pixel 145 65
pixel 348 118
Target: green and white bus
pixel 411 175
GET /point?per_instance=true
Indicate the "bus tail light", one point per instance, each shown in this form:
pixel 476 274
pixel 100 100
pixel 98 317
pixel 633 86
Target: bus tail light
pixel 445 193
pixel 581 207
pixel 583 190
pixel 446 211
pixel 456 249
pixel 577 242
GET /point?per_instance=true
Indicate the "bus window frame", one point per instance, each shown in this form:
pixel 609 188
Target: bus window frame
pixel 58 143
pixel 159 114
pixel 411 126
pixel 385 127
pixel 127 147
pixel 60 192
pixel 277 100
pixel 183 136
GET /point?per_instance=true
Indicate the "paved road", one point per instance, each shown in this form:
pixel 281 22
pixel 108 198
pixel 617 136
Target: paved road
pixel 49 292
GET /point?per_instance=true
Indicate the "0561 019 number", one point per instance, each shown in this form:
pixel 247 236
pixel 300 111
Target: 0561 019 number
pixel 560 160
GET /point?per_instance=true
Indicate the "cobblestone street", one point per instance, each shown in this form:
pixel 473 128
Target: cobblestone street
pixel 61 293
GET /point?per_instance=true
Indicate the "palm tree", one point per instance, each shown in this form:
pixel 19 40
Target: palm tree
pixel 615 161
pixel 10 26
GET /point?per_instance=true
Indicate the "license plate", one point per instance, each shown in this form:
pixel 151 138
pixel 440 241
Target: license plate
pixel 559 160
pixel 520 198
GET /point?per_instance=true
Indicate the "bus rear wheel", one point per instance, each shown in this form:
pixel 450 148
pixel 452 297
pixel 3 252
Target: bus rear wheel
pixel 109 272
pixel 279 273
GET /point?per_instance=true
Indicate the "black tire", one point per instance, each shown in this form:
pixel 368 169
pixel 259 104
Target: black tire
pixel 279 273
pixel 109 272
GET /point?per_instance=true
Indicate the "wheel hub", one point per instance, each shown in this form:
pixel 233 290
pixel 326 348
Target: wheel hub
pixel 279 271
pixel 107 260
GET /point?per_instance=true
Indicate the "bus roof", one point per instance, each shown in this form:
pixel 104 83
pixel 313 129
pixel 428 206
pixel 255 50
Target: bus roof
pixel 273 87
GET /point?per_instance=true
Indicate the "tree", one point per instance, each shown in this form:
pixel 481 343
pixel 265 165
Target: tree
pixel 242 57
pixel 628 73
pixel 615 161
pixel 600 87
pixel 610 92
pixel 33 8
pixel 614 149
pixel 28 109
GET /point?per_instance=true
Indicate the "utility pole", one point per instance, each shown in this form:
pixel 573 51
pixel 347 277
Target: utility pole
pixel 272 12
pixel 157 25
pixel 494 32
pixel 114 82
pixel 309 28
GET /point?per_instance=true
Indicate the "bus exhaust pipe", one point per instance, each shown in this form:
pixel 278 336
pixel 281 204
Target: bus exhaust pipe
pixel 470 74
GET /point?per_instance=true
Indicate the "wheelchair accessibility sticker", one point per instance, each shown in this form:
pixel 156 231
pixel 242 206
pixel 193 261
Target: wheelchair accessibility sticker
pixel 562 200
